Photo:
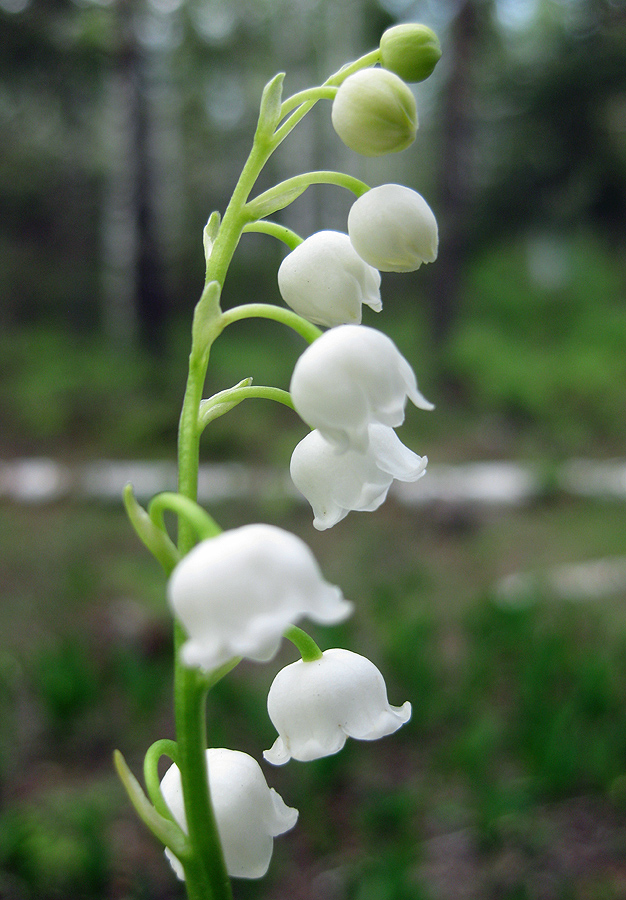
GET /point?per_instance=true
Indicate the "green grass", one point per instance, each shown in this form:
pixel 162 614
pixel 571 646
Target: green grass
pixel 549 355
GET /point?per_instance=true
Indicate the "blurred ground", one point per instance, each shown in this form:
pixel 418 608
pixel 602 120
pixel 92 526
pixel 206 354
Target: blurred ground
pixel 508 781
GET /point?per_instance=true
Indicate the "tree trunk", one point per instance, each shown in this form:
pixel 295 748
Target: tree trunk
pixel 454 195
pixel 134 290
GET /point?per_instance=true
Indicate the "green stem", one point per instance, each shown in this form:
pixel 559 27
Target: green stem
pixel 316 93
pixel 206 877
pixel 287 317
pixel 363 62
pixel 309 651
pixel 369 59
pixel 262 392
pixel 151 773
pixel 299 183
pixel 216 406
pixel 284 234
pixel 188 511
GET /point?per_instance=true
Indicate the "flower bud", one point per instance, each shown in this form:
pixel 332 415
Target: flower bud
pixel 325 280
pixel 411 51
pixel 236 593
pixel 374 113
pixel 393 229
pixel 336 483
pixel 350 377
pixel 248 813
pixel 316 705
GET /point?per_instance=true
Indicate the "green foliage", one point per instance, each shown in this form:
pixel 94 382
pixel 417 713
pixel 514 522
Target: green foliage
pixel 557 691
pixel 142 679
pixel 54 384
pixel 384 877
pixel 410 652
pixel 57 388
pixel 55 848
pixel 66 682
pixel 548 355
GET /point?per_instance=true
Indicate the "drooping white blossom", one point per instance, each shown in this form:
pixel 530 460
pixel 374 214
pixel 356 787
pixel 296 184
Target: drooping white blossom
pixel 248 813
pixel 336 483
pixel 374 113
pixel 325 280
pixel 236 593
pixel 350 377
pixel 393 228
pixel 316 705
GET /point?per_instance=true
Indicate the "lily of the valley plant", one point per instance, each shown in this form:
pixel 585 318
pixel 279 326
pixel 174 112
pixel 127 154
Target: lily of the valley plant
pixel 236 594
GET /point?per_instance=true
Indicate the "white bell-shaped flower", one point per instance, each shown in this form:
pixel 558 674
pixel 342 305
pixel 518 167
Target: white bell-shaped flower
pixel 236 593
pixel 325 280
pixel 350 377
pixel 336 483
pixel 316 705
pixel 393 228
pixel 248 813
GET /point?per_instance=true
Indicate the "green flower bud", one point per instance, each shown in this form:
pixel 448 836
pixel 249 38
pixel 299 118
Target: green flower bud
pixel 411 51
pixel 374 113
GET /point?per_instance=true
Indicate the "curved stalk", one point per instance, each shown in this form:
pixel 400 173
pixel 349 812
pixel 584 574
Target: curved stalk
pixel 213 408
pixel 299 183
pixel 317 93
pixel 369 59
pixel 281 232
pixel 287 317
pixel 151 774
pixel 188 511
pixel 309 651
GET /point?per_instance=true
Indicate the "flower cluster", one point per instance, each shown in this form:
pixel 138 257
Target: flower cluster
pixel 330 275
pixel 236 594
pixel 352 384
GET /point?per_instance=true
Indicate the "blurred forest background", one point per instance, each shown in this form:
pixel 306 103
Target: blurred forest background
pixel 124 123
